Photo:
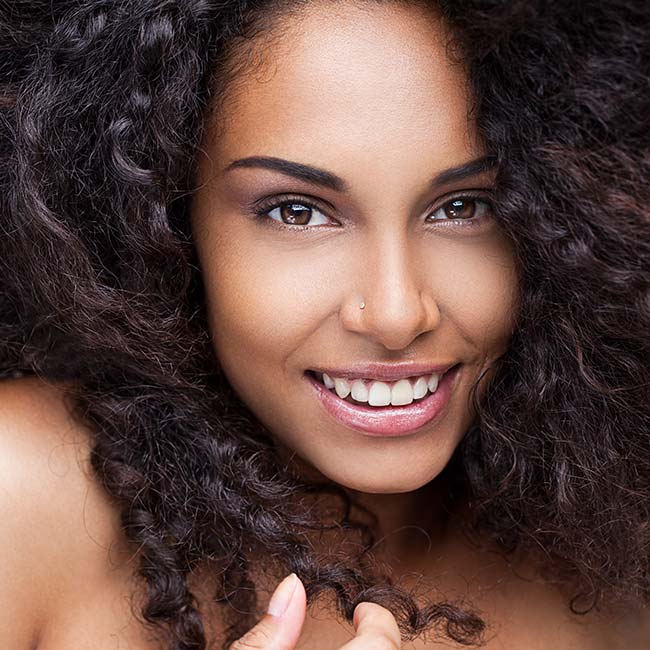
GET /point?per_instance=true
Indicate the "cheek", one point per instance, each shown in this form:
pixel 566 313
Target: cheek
pixel 263 299
pixel 479 296
pixel 477 291
pixel 266 296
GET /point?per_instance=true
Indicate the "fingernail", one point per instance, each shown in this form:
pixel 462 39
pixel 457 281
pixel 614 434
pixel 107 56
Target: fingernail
pixel 358 610
pixel 282 595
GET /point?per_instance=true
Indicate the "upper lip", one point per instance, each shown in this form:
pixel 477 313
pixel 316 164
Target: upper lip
pixel 385 371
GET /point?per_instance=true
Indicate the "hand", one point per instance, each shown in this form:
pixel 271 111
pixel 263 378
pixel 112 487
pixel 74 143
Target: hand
pixel 281 626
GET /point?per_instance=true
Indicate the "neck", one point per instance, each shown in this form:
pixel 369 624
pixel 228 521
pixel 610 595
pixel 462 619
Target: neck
pixel 411 526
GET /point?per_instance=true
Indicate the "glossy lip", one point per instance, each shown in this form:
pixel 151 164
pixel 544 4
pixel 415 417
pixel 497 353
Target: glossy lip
pixel 387 420
pixel 385 371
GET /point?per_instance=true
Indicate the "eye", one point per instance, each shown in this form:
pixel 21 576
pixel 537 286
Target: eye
pixel 293 213
pixel 459 211
pixel 462 208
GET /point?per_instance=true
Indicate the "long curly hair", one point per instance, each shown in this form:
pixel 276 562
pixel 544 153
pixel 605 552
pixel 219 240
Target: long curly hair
pixel 102 108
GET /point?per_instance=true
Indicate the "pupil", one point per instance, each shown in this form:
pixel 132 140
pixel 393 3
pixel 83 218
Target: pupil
pixel 460 209
pixel 289 215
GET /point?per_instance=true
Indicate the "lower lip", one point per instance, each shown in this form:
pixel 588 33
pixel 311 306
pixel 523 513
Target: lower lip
pixel 387 420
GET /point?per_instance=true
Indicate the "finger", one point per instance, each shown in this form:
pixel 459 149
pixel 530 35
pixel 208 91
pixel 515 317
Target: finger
pixel 375 627
pixel 280 627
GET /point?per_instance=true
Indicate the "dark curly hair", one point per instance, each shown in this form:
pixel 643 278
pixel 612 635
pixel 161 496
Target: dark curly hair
pixel 102 108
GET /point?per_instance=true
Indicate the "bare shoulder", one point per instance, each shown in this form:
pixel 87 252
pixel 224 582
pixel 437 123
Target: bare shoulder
pixel 58 525
pixel 43 454
pixel 635 628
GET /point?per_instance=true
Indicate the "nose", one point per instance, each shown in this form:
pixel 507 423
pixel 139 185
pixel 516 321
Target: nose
pixel 399 301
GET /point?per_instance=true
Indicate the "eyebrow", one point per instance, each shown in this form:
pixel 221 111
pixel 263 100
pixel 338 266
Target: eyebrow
pixel 327 179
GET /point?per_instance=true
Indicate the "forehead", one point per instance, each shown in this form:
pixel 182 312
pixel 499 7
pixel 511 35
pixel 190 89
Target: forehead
pixel 354 78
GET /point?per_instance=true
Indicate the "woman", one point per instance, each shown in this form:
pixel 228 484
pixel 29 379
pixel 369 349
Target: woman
pixel 356 291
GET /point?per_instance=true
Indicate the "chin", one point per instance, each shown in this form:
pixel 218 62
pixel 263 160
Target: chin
pixel 376 483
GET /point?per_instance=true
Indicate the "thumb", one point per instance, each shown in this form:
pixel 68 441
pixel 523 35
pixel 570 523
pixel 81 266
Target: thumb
pixel 280 627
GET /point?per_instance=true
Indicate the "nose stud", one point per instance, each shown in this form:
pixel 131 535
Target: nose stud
pixel 362 305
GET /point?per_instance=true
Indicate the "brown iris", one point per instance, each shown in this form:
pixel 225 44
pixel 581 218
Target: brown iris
pixel 295 213
pixel 460 208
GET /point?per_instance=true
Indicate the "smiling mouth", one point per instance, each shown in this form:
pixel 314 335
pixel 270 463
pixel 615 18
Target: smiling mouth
pixel 419 388
pixel 385 413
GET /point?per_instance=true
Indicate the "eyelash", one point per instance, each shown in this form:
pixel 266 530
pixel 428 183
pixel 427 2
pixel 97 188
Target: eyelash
pixel 262 209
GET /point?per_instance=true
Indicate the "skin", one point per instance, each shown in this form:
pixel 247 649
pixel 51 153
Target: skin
pixel 368 95
pixel 68 578
pixel 282 301
pixel 353 97
pixel 375 101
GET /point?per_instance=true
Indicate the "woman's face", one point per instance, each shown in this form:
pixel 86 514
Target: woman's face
pixel 368 98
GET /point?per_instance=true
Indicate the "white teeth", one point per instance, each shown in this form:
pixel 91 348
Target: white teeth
pixel 420 388
pixel 342 387
pixel 401 393
pixel 379 394
pixel 359 391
